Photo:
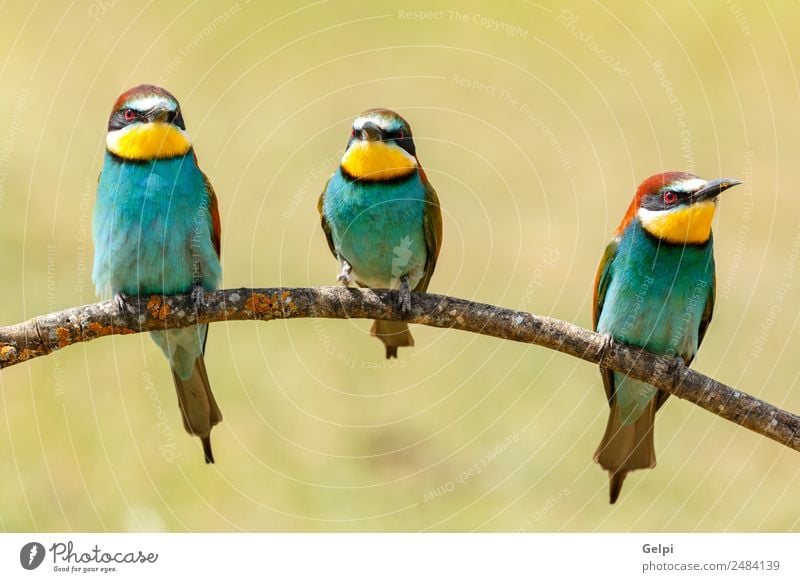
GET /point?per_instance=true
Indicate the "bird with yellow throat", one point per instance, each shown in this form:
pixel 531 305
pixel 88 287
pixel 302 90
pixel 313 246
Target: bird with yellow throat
pixel 654 290
pixel 156 230
pixel 381 216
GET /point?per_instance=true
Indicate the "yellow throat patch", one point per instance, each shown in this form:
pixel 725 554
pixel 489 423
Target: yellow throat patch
pixel 148 141
pixel 376 160
pixel 690 225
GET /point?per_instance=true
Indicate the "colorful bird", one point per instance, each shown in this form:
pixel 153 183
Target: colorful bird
pixel 655 290
pixel 156 230
pixel 381 216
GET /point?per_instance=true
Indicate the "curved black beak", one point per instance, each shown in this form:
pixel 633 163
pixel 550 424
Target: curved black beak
pixel 370 131
pixel 713 188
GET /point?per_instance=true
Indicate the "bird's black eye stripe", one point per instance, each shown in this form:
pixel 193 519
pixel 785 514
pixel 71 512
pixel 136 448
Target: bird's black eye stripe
pixel 118 120
pixel 665 198
pixel 122 118
pixel 402 137
pixel 398 135
pixel 176 118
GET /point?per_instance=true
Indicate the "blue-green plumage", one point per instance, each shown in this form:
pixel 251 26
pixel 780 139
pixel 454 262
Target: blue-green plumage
pixel 156 231
pixel 655 290
pixel 656 297
pixel 381 216
pixel 378 228
pixel 152 228
pixel 152 232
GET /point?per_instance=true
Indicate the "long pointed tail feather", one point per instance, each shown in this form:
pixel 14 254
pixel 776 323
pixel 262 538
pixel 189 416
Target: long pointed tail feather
pixel 626 448
pixel 197 405
pixel 393 334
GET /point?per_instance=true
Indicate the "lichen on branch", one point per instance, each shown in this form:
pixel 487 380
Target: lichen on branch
pixel 47 333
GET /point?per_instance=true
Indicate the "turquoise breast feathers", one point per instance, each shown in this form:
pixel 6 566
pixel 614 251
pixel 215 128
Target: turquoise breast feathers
pixel 378 228
pixel 655 300
pixel 152 228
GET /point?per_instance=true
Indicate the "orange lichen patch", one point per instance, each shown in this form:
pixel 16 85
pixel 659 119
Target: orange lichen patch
pixel 27 354
pixel 7 352
pixel 258 303
pixel 64 337
pixel 157 308
pixel 262 304
pixel 286 299
pixel 97 330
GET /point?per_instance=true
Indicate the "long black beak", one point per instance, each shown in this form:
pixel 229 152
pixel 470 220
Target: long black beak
pixel 371 132
pixel 713 188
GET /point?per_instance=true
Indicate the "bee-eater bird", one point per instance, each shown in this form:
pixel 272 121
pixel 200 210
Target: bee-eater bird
pixel 156 230
pixel 655 290
pixel 381 216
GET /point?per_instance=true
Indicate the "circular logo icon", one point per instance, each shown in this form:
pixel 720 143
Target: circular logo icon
pixel 31 555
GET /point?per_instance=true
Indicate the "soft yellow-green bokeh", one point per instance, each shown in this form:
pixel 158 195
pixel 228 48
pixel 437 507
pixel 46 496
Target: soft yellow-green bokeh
pixel 535 132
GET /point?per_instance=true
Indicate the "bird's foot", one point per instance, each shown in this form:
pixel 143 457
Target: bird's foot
pixel 198 296
pixel 346 276
pixel 677 368
pixel 404 296
pixel 121 301
pixel 605 348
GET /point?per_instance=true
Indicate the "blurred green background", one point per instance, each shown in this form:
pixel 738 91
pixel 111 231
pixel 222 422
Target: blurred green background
pixel 535 122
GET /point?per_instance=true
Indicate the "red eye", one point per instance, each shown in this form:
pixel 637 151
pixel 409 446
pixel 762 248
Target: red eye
pixel 129 115
pixel 670 197
pixel 401 134
pixel 353 133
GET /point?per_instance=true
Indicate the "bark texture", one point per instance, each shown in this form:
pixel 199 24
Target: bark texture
pixel 47 333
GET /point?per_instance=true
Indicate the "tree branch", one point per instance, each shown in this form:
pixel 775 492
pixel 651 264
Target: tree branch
pixel 44 334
